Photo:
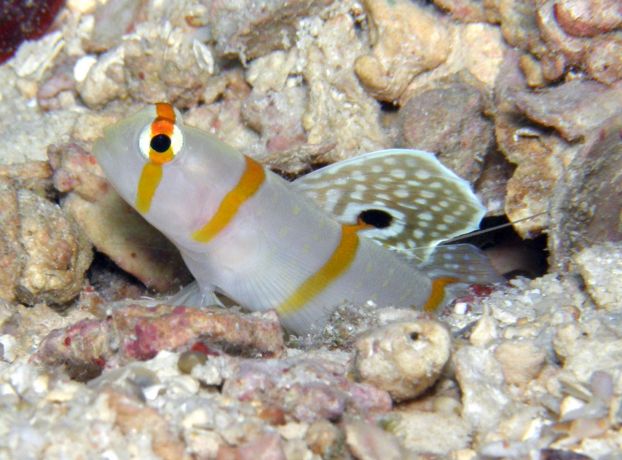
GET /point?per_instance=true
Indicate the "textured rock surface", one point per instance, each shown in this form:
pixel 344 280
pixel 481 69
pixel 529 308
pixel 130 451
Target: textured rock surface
pixel 112 20
pixel 407 39
pixel 539 158
pixel 431 432
pixel 134 332
pixel 11 252
pixel 268 446
pixel 23 127
pixel 35 176
pixel 57 254
pixel 583 18
pixel 155 64
pixel 250 29
pixel 601 268
pixel 44 253
pixel 586 208
pixel 305 389
pixel 465 10
pixel 477 48
pixel 24 21
pixel 369 442
pixel 575 108
pixel 560 35
pixel 603 61
pixel 521 361
pixel 480 377
pixel 517 19
pixel 28 326
pixel 449 121
pixel 339 111
pixel 535 367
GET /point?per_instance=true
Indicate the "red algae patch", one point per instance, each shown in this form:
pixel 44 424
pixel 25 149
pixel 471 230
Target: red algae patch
pixel 24 20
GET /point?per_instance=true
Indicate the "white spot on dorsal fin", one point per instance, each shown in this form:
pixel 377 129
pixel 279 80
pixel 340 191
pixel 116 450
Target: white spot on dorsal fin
pixel 463 261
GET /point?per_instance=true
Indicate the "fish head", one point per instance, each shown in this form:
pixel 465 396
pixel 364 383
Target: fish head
pixel 172 174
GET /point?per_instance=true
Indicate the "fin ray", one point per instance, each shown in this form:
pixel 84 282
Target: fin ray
pixel 465 262
pixel 192 295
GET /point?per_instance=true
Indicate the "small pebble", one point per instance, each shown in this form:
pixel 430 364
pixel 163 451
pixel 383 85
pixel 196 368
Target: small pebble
pixel 189 359
pixel 324 438
pixel 484 332
pixel 369 442
pixel 521 361
pixel 403 359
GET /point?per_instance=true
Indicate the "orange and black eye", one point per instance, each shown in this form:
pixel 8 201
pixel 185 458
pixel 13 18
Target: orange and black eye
pixel 160 143
pixel 162 139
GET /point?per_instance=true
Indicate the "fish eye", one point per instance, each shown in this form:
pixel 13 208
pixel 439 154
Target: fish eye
pixel 160 141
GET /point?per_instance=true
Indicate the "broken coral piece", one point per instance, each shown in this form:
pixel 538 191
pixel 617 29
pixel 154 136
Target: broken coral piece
pixel 304 388
pixel 135 332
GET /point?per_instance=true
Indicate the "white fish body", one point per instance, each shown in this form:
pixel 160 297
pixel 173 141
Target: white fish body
pixel 262 241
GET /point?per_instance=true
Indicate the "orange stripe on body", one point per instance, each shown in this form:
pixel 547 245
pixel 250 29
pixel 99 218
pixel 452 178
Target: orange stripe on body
pixel 151 174
pixel 340 260
pixel 437 294
pixel 250 182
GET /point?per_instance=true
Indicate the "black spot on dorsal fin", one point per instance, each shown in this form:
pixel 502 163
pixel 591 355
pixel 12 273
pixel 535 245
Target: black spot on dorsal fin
pixel 376 218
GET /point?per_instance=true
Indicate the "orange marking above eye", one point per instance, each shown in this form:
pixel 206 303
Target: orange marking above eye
pixel 162 126
pixel 164 123
pixel 250 182
pixel 165 110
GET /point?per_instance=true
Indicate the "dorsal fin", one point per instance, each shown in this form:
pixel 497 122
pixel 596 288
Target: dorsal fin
pixel 412 200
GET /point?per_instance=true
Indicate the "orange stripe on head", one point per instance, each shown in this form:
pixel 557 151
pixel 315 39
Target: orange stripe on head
pixel 437 294
pixel 147 185
pixel 158 143
pixel 250 182
pixel 339 261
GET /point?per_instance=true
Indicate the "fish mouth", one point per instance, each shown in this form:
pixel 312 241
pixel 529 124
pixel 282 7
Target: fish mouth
pixel 99 151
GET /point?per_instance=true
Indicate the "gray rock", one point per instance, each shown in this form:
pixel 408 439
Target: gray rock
pixel 600 266
pixel 575 108
pixel 587 204
pixel 480 377
pixel 450 122
pixel 249 29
